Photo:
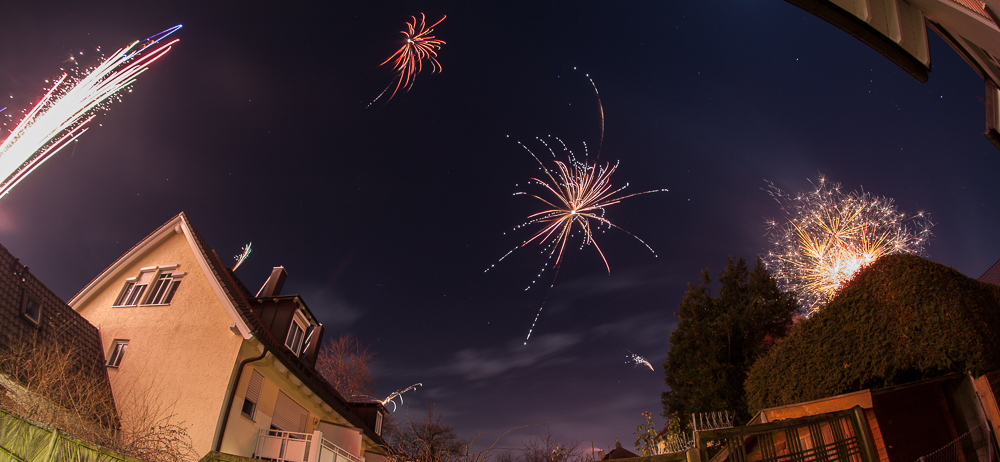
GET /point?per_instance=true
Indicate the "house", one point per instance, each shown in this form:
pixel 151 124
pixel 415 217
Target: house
pixel 237 368
pixel 34 323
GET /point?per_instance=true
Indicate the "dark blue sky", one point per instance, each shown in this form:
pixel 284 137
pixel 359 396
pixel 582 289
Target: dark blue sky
pixel 255 125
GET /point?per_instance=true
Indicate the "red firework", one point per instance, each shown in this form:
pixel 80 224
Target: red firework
pixel 409 59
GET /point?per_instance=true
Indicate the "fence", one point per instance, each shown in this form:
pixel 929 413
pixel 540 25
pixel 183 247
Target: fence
pixel 836 436
pixel 975 445
pixel 22 440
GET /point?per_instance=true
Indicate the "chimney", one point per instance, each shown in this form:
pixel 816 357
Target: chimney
pixel 273 285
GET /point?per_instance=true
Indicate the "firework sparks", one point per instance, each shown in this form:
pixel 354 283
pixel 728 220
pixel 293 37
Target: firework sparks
pixel 637 360
pixel 244 253
pixel 581 192
pixel 61 116
pixel 399 394
pixel 830 235
pixel 409 59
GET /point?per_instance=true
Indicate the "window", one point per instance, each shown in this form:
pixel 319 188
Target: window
pixel 294 339
pixel 378 422
pixel 117 352
pixel 164 287
pixel 252 395
pixel 163 290
pixel 310 332
pixel 134 288
pixel 288 415
pixel 30 307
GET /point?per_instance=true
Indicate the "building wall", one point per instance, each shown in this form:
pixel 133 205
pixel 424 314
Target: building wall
pixel 181 356
pixel 241 433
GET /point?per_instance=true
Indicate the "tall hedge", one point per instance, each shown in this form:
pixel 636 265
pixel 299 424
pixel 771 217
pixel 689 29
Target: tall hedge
pixel 901 319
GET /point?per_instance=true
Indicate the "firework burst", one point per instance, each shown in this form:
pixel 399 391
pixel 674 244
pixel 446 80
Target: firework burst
pixel 409 59
pixel 830 235
pixel 580 193
pixel 61 116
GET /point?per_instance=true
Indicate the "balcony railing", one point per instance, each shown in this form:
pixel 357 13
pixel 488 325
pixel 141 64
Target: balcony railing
pixel 282 446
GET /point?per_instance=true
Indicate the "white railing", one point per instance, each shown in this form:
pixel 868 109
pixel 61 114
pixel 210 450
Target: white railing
pixel 282 446
pixel 329 452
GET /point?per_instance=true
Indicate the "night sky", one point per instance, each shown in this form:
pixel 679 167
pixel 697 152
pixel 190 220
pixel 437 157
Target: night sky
pixel 256 126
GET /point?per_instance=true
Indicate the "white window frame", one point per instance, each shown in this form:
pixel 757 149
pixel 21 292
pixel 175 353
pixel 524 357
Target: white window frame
pixel 118 348
pixel 296 333
pixel 137 292
pixel 163 294
pixel 254 400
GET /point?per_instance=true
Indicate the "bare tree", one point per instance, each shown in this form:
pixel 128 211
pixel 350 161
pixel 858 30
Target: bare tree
pixel 346 364
pixel 549 449
pixel 427 439
pixel 47 383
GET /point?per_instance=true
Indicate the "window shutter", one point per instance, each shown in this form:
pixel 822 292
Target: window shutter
pixel 253 388
pixel 289 415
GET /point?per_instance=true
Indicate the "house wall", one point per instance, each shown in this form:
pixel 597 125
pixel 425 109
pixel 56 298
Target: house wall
pixel 241 433
pixel 180 356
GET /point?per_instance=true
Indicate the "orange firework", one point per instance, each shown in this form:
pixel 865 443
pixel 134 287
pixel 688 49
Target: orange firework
pixel 582 192
pixel 409 59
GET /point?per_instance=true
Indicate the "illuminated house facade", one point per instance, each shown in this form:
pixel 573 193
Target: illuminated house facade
pixel 236 368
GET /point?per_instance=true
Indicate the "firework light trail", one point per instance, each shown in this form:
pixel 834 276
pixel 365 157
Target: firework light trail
pixel 830 235
pixel 242 257
pixel 409 59
pixel 581 192
pixel 399 394
pixel 61 116
pixel 637 360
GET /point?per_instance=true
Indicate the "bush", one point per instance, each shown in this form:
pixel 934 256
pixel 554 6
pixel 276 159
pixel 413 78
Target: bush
pixel 902 319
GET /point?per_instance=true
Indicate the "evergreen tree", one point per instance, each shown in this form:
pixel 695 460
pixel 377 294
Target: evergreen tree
pixel 717 340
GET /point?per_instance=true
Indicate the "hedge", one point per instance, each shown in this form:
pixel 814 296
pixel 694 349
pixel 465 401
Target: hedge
pixel 902 319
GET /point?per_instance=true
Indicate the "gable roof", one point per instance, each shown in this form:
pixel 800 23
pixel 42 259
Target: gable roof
pixel 234 296
pixel 228 294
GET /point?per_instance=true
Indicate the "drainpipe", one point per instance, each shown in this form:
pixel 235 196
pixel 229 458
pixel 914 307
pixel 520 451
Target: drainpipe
pixel 232 396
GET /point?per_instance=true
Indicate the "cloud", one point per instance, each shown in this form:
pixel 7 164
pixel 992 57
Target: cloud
pixel 644 329
pixel 487 363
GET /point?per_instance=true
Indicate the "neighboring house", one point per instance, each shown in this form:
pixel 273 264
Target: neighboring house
pixel 992 275
pixel 619 453
pixel 898 30
pixel 33 318
pixel 182 331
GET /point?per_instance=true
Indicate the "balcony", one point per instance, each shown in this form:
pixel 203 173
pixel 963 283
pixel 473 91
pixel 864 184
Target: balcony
pixel 282 446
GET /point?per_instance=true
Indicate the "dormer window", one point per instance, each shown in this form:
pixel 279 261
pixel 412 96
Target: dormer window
pixel 164 279
pixel 295 333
